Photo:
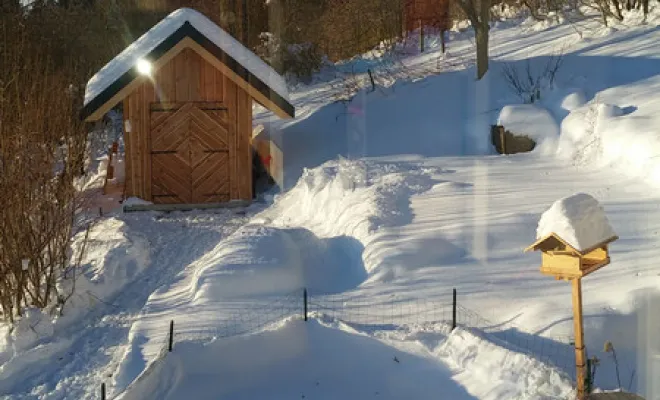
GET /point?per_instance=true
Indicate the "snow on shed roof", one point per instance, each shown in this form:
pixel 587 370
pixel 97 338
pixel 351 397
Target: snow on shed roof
pixel 577 219
pixel 121 69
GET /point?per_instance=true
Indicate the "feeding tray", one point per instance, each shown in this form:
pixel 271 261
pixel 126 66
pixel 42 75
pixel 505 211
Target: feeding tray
pixel 563 261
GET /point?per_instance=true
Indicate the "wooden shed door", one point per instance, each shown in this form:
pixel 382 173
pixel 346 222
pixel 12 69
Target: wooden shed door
pixel 190 151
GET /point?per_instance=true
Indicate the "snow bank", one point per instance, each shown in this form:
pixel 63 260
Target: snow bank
pixel 330 360
pixel 263 260
pixel 351 198
pixel 578 219
pixel 112 258
pixel 573 100
pixel 230 289
pixel 583 131
pixel 297 360
pixel 531 121
pixel 129 57
pixel 603 134
pixel 492 372
pixel 313 237
pixel 19 367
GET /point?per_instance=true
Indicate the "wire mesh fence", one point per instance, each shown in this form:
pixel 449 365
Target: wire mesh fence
pixel 557 351
pixel 241 317
pixel 554 350
pixel 393 312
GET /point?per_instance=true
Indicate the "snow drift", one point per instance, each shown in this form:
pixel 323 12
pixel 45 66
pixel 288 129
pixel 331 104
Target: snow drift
pixel 308 239
pixel 112 257
pixel 331 360
pixel 531 121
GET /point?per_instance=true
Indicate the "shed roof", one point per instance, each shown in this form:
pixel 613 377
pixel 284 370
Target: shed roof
pixel 194 30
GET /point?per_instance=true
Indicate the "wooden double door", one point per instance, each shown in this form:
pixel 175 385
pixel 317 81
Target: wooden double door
pixel 191 149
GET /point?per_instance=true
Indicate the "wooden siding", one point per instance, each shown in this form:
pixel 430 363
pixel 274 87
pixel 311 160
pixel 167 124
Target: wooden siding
pixel 190 79
pixel 430 13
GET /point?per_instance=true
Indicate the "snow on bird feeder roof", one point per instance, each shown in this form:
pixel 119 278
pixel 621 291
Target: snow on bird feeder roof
pixel 573 235
pixel 579 220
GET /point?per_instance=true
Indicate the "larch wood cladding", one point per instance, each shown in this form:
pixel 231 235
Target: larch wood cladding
pixel 430 13
pixel 190 133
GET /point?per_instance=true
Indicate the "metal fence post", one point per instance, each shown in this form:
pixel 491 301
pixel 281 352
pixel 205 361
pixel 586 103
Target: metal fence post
pixel 171 342
pixel 305 304
pixel 453 311
pixel 371 78
pixel 103 391
pixel 587 379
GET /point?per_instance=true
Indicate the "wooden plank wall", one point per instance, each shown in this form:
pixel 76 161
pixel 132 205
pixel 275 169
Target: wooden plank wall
pixel 187 77
pixel 432 13
pixel 244 149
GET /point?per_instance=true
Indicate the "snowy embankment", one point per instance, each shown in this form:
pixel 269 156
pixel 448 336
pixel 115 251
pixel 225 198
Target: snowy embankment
pixel 276 254
pixel 330 360
pixel 127 257
pixel 113 257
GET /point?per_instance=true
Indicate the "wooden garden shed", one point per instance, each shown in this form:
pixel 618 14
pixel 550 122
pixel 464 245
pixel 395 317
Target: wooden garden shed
pixel 187 87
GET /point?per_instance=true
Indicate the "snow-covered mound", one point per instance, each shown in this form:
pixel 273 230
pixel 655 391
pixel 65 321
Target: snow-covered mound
pixel 112 257
pixel 584 133
pixel 218 289
pixel 493 372
pixel 351 197
pixel 578 219
pixel 262 260
pixel 296 359
pixel 574 100
pixel 313 237
pixel 531 121
pixel 129 57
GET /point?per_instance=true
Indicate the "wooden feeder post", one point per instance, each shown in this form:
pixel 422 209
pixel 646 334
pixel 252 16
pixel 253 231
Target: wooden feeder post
pixel 563 261
pixel 580 357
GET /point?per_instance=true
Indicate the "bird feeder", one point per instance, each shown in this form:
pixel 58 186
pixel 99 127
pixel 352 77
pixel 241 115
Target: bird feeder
pixel 580 249
pixel 563 261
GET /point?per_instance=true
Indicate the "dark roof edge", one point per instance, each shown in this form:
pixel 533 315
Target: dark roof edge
pixel 187 30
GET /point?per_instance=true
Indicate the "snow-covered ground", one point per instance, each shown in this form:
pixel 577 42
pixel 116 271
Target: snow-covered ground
pixel 393 198
pixel 129 256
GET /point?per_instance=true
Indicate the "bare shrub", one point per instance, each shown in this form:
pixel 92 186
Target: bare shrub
pixel 352 27
pixel 527 83
pixel 42 145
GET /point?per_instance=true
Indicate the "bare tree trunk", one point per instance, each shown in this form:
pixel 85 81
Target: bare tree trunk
pixel 479 15
pixel 617 7
pixel 481 35
pixel 533 10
